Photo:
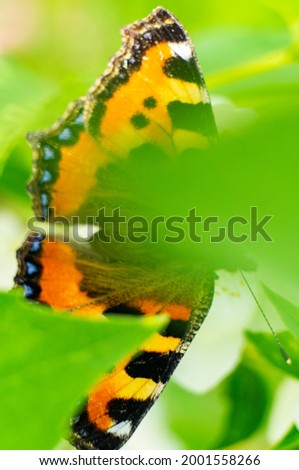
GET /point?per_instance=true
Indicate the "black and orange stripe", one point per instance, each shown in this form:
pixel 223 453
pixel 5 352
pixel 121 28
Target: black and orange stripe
pixel 119 402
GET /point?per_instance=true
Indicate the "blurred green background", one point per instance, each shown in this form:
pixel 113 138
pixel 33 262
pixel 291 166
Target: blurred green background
pixel 232 390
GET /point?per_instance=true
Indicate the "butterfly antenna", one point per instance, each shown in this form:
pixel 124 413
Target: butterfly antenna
pixel 284 354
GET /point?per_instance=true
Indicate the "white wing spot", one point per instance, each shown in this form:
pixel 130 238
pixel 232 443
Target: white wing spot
pixel 204 95
pixel 121 429
pixel 159 389
pixel 181 49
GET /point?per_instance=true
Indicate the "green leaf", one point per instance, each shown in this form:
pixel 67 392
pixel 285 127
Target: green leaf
pixel 288 311
pixel 239 45
pixel 290 441
pixel 22 94
pixel 15 175
pixel 197 419
pixel 247 413
pixel 222 416
pixel 263 90
pixel 48 362
pixel 265 344
pixel 289 10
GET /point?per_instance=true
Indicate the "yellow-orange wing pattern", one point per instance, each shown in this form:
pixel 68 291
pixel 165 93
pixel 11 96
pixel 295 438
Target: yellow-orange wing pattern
pixel 152 94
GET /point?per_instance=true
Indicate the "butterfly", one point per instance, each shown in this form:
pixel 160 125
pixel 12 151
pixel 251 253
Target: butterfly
pixel 151 102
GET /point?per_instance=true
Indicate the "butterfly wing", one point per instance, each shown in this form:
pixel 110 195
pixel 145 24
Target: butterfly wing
pixel 152 95
pixel 120 400
pixel 151 100
pixel 156 82
pixel 59 275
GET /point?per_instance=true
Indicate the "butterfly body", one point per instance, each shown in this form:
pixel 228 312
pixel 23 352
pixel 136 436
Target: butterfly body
pixel 152 97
